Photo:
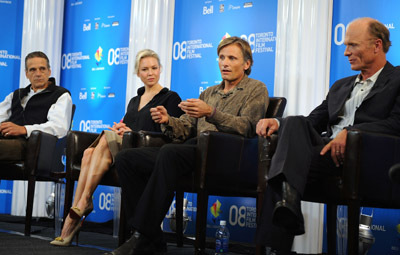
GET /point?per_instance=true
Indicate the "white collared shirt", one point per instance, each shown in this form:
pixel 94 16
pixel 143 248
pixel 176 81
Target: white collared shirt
pixel 357 96
pixel 59 115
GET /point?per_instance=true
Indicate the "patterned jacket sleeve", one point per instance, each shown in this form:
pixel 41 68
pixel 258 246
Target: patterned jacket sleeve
pixel 180 129
pixel 253 109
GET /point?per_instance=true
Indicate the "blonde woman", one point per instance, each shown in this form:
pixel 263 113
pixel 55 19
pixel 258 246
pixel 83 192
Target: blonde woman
pixel 98 158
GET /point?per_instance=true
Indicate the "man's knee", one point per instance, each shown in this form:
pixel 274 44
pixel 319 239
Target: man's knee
pixel 293 120
pixel 168 151
pixel 124 158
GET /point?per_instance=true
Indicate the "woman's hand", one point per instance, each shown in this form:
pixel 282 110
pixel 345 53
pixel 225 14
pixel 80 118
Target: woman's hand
pixel 120 128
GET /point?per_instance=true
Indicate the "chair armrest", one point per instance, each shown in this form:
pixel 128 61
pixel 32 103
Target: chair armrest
pixel 276 107
pixel 142 138
pixel 266 149
pixel 368 158
pixel 40 149
pixel 77 142
pixel 394 173
pixel 227 156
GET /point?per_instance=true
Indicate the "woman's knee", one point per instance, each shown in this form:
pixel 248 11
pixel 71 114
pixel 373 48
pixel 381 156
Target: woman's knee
pixel 87 154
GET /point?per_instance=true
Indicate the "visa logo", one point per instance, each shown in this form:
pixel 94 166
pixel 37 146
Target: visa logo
pixel 209 10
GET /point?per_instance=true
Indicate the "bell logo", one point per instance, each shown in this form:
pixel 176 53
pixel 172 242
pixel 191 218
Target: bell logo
pixel 209 10
pixel 83 96
pixel 87 27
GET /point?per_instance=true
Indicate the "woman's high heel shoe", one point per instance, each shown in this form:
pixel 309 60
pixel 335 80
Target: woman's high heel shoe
pixel 76 213
pixel 68 240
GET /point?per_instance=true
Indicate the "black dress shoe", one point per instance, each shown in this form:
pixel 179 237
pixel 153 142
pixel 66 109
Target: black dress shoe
pixel 160 247
pixel 287 212
pixel 136 245
pixel 270 251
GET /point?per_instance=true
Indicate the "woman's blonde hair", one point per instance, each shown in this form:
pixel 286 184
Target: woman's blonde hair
pixel 144 54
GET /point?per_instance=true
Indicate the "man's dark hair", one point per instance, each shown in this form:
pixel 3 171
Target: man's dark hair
pixel 36 54
pixel 380 31
pixel 244 46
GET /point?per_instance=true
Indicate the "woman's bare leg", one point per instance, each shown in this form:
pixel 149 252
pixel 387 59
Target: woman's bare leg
pixel 85 163
pixel 95 163
pixel 100 162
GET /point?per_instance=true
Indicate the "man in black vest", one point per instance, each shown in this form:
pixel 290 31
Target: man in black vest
pixel 40 106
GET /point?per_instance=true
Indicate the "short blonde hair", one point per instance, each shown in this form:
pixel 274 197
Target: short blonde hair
pixel 144 54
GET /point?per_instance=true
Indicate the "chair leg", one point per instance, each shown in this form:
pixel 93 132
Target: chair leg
pixel 122 224
pixel 260 249
pixel 331 215
pixel 201 221
pixel 29 205
pixel 179 217
pixel 69 190
pixel 58 201
pixel 353 227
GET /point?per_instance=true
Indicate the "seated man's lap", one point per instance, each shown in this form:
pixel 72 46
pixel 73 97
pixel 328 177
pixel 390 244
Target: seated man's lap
pixel 12 149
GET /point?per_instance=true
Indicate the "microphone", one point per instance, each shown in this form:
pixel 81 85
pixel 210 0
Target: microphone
pixel 365 239
pixel 172 217
pixel 394 173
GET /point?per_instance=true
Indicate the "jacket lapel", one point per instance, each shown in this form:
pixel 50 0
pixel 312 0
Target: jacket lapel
pixel 382 80
pixel 342 96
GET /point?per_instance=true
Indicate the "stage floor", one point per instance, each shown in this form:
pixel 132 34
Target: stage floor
pixel 94 239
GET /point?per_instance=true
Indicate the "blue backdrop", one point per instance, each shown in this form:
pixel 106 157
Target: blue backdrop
pixel 11 13
pixel 385 223
pixel 343 13
pixel 199 27
pixel 11 16
pixel 94 61
pixel 94 68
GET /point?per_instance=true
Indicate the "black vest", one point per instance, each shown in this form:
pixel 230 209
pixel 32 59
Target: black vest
pixel 37 107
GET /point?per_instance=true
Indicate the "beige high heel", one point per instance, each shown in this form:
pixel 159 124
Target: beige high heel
pixel 76 213
pixel 59 241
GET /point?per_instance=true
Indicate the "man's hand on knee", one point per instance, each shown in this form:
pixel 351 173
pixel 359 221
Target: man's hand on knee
pixel 337 147
pixel 266 127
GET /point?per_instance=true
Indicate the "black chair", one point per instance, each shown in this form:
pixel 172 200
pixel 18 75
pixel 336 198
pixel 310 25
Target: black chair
pixel 394 173
pixel 364 181
pixel 79 141
pixel 226 166
pixel 42 158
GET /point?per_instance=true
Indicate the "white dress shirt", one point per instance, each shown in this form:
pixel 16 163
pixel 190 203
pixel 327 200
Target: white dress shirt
pixel 357 96
pixel 58 117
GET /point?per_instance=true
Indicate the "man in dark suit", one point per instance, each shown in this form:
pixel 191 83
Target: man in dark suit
pixel 369 101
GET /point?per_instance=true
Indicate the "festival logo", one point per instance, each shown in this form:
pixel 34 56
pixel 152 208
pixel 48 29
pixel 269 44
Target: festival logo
pixel 98 55
pixel 215 210
pixel 225 36
pixel 398 230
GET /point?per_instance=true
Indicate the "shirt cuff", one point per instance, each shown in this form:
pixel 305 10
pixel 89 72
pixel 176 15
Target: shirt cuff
pixel 213 113
pixel 28 131
pixel 279 123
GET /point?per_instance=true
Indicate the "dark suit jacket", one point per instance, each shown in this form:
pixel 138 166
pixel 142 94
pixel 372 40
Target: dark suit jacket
pixel 379 112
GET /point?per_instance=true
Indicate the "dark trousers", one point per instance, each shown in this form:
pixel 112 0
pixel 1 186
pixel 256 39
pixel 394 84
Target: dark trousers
pixel 148 178
pixel 297 160
pixel 12 149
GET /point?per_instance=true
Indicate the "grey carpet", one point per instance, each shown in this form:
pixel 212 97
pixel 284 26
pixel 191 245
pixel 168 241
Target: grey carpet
pixel 12 240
